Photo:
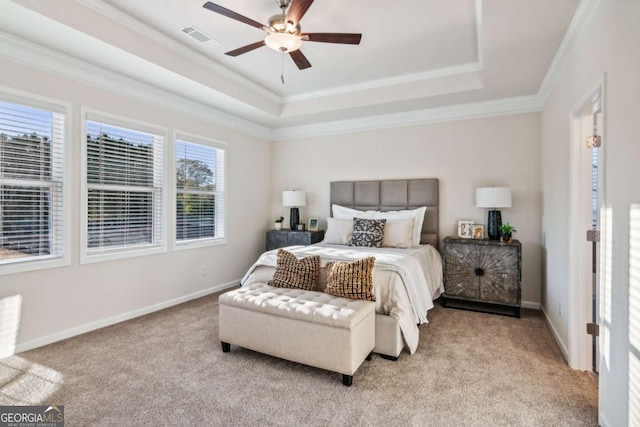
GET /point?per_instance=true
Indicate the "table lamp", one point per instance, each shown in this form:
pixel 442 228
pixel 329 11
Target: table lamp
pixel 294 198
pixel 493 198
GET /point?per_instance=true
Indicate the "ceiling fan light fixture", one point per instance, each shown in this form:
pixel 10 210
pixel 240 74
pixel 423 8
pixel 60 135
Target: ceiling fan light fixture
pixel 283 42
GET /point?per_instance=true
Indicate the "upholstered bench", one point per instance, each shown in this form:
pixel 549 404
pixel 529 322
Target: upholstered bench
pixel 309 327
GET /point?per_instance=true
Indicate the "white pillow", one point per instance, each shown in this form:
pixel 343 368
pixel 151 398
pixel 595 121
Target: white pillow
pixel 342 212
pixel 398 233
pixel 416 214
pixel 338 231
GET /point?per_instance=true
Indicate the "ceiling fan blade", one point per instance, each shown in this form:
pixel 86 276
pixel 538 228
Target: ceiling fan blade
pixel 301 61
pixel 297 9
pixel 342 38
pixel 231 14
pixel 245 49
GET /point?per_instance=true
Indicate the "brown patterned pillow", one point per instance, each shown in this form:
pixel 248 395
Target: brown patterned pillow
pixel 351 279
pixel 295 273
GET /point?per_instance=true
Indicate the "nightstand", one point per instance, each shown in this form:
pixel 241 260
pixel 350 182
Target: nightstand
pixel 482 275
pixel 281 238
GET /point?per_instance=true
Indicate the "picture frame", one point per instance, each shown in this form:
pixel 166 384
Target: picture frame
pixel 465 229
pixel 478 231
pixel 313 224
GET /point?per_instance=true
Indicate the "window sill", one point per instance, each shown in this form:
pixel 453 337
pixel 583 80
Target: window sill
pixel 15 267
pixel 200 243
pixel 121 253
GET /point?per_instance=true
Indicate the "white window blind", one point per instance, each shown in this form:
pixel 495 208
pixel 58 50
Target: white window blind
pixel 124 188
pixel 31 183
pixel 200 187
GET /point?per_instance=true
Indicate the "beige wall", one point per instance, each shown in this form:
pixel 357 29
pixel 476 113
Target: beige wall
pixel 497 151
pixel 56 301
pixel 611 47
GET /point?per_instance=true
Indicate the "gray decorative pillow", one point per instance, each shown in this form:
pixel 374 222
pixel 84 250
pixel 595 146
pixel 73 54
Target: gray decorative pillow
pixel 367 232
pixel 295 273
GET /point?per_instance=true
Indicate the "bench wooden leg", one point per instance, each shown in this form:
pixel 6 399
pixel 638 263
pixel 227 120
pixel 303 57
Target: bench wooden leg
pixel 368 358
pixel 347 380
pixel 226 347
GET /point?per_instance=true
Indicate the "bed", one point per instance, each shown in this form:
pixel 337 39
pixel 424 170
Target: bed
pixel 406 280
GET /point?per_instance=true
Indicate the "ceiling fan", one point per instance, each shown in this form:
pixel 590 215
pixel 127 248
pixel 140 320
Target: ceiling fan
pixel 283 31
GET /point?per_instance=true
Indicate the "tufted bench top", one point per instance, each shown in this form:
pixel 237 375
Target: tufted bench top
pixel 311 306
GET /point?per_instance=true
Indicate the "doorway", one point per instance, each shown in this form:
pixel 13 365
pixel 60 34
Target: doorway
pixel 587 200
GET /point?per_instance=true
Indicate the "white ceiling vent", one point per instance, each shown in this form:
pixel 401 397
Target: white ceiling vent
pixel 199 35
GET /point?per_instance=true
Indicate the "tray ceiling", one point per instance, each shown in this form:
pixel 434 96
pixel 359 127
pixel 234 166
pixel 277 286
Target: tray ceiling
pixel 414 55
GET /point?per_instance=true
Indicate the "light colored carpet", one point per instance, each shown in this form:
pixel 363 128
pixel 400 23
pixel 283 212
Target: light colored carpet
pixel 167 368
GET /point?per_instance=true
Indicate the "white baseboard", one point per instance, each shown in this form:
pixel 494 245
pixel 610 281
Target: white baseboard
pixel 556 335
pixel 78 330
pixel 529 304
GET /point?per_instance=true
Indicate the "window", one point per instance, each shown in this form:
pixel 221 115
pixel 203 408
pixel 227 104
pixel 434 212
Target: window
pixel 123 181
pixel 31 186
pixel 200 192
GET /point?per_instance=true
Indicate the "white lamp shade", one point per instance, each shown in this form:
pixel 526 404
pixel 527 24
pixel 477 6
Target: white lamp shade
pixel 493 197
pixel 294 198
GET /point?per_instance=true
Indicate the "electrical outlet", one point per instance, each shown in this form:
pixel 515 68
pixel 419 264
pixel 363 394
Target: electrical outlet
pixel 203 270
pixel 559 309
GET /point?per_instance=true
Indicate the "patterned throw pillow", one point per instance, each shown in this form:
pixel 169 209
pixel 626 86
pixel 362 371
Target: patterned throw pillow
pixel 295 273
pixel 351 279
pixel 367 232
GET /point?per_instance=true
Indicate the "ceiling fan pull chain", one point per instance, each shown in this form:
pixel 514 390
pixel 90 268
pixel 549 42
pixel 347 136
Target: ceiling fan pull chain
pixel 282 68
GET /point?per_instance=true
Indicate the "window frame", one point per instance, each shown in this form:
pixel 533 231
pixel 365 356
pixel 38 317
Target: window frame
pixel 179 245
pixel 88 255
pixel 42 262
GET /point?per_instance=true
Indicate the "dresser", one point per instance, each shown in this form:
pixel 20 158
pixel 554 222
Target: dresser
pixel 281 238
pixel 482 275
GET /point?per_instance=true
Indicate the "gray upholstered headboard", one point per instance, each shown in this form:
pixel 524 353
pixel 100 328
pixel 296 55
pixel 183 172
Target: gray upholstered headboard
pixel 392 195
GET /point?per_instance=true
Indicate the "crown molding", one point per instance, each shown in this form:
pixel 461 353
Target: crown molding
pixel 46 59
pixel 385 83
pixel 586 14
pixel 516 105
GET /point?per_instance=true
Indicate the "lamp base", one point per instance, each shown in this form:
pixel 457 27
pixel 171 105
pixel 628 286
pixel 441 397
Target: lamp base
pixel 294 219
pixel 493 224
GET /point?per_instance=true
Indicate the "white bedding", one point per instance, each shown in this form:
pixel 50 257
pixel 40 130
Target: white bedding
pixel 406 281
